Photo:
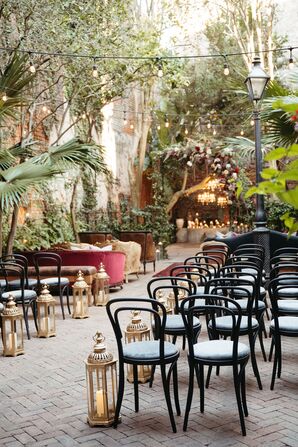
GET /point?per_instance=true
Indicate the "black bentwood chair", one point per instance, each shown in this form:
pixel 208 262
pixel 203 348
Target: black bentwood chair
pixel 150 352
pixel 216 352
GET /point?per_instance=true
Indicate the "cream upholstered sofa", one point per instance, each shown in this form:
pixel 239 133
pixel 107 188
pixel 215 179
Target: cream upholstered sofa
pixel 132 251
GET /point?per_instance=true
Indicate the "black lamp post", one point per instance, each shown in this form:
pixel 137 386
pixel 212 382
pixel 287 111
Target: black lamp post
pixel 256 83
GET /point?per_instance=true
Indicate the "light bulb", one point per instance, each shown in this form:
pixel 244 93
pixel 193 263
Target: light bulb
pixel 32 69
pixel 158 127
pixel 186 131
pixel 226 69
pixel 208 125
pixel 84 116
pixel 291 63
pixel 241 132
pixel 131 126
pixel 94 71
pixel 160 72
pixel 167 124
pixel 44 108
pixel 4 97
pixel 214 132
pixel 252 122
pixel 124 121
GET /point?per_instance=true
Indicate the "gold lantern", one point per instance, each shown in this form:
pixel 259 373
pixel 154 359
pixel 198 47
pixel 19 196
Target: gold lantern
pixel 46 313
pixel 101 384
pixel 137 331
pixel 171 300
pixel 12 329
pixel 80 296
pixel 101 288
pixel 160 296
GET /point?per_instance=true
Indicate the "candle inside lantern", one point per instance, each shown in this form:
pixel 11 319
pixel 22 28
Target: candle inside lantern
pixel 100 407
pixel 12 341
pixel 45 324
pixel 79 308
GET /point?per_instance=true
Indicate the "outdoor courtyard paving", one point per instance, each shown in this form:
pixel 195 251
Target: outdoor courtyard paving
pixel 43 393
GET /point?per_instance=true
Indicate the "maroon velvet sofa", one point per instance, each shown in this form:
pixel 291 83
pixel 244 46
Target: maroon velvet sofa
pixel 73 259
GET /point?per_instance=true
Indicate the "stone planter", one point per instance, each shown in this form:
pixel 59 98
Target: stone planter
pixel 179 223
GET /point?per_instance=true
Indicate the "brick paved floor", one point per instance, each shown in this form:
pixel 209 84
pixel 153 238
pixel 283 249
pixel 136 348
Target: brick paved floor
pixel 43 394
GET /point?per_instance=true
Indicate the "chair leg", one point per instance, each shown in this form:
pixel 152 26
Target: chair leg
pixel 275 361
pixel 166 388
pixel 279 364
pixel 243 391
pixel 33 307
pixel 238 397
pixel 202 389
pixel 152 376
pixel 183 342
pixel 252 340
pixel 120 394
pixel 260 334
pixel 61 302
pixel 67 299
pixel 189 395
pixel 175 386
pixel 271 349
pixel 136 387
pixel 25 314
pixel 208 376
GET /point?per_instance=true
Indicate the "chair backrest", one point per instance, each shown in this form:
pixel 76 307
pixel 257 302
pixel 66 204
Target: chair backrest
pixel 153 308
pixel 251 246
pixel 253 252
pixel 19 259
pixel 210 258
pixel 45 259
pixel 214 306
pixel 284 269
pixel 212 263
pixel 285 258
pixel 210 250
pixel 279 291
pixel 286 250
pixel 234 288
pixel 247 259
pixel 180 287
pixel 199 274
pixel 16 271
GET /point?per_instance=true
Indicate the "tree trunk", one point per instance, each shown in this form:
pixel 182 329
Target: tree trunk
pixel 73 208
pixel 1 232
pixel 13 229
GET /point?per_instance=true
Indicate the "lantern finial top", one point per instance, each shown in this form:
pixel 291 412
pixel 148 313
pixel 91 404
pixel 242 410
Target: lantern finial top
pixel 102 274
pixel 99 354
pixel 45 294
pixel 136 324
pixel 11 307
pixel 80 281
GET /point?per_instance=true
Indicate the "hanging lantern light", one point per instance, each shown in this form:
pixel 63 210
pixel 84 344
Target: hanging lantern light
pixel 46 313
pixel 137 331
pixel 12 329
pixel 80 296
pixel 101 288
pixel 102 387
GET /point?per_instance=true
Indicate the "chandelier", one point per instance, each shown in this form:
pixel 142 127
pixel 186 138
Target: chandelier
pixel 206 198
pixel 213 194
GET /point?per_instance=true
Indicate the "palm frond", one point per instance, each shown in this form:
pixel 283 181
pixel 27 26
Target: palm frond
pixel 244 148
pixel 17 180
pixel 74 153
pixel 13 82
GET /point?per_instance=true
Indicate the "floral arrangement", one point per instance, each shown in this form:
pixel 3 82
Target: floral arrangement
pixel 294 118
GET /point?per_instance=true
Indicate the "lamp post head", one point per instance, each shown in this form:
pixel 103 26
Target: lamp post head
pixel 256 81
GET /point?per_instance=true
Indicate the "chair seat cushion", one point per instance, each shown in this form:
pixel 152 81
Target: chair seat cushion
pixel 288 305
pixel 249 289
pixel 32 282
pixel 288 291
pixel 243 304
pixel 225 323
pixel 54 281
pixel 2 283
pixel 199 302
pixel 176 323
pixel 17 294
pixel 219 350
pixel 148 350
pixel 286 324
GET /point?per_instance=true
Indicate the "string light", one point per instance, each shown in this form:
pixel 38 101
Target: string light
pixel 158 127
pixel 159 72
pixel 44 108
pixel 131 126
pixel 186 131
pixel 84 116
pixel 124 118
pixel 291 60
pixel 32 69
pixel 4 97
pixel 208 125
pixel 252 122
pixel 167 124
pixel 241 132
pixel 226 70
pixel 214 132
pixel 94 70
